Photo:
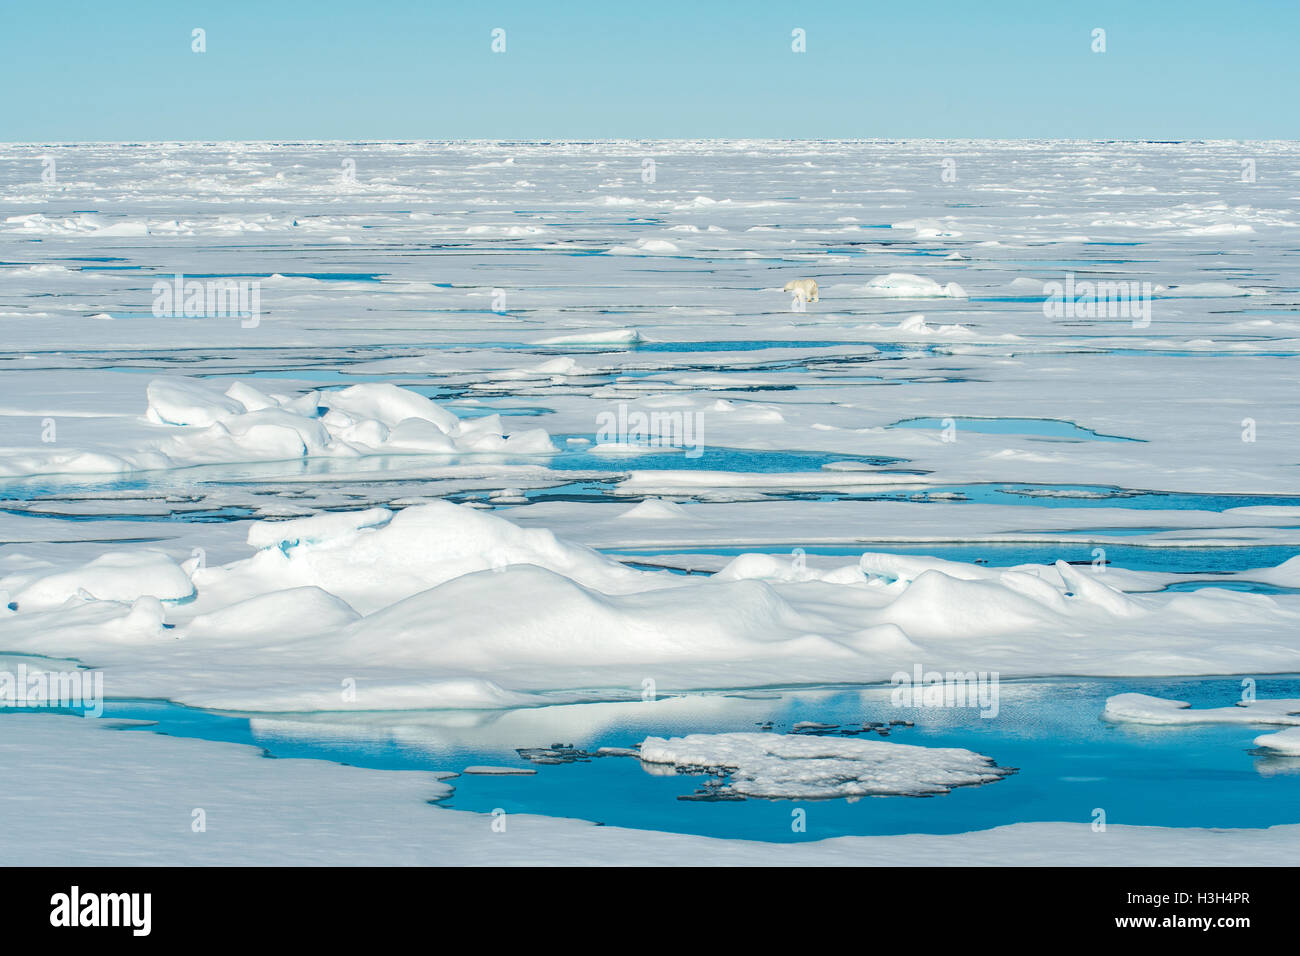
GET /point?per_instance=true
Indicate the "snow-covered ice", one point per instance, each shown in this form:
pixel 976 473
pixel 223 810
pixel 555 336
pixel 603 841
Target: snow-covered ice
pixel 154 782
pixel 391 492
pixel 1285 742
pixel 409 604
pixel 796 767
pixel 1142 709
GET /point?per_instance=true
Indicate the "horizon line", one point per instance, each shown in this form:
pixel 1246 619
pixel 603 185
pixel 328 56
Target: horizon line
pixel 542 141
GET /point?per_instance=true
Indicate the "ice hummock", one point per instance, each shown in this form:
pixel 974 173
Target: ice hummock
pixel 905 285
pixel 202 424
pixel 425 602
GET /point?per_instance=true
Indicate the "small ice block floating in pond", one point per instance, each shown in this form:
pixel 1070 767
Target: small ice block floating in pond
pixel 498 771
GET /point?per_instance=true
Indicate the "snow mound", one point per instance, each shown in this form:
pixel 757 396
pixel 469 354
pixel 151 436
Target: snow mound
pixel 203 425
pixel 317 528
pixel 375 557
pixel 272 615
pixel 243 424
pixel 595 337
pixel 551 621
pixel 916 326
pixel 771 567
pixel 186 402
pixel 114 576
pixel 904 285
pixel 647 247
pixel 429 605
pixel 655 509
pixel 558 370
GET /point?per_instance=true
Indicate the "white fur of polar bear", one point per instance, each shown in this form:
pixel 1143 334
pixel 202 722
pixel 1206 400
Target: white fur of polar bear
pixel 806 289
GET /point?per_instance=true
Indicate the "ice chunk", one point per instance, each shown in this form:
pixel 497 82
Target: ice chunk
pixel 499 771
pixel 795 767
pixel 1285 742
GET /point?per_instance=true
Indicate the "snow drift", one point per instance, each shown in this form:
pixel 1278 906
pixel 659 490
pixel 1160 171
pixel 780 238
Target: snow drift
pixel 447 605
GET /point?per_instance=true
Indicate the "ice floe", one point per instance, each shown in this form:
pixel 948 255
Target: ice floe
pixel 619 293
pixel 795 767
pixel 1284 742
pixel 1143 709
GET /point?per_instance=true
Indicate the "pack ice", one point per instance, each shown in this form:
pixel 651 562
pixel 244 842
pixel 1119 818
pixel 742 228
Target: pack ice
pixel 200 424
pixel 449 605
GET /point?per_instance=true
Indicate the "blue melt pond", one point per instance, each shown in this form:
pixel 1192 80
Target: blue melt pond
pixel 1068 760
pixel 1037 427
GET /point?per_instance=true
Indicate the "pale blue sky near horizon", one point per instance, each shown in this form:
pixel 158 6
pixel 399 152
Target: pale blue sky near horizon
pixel 403 69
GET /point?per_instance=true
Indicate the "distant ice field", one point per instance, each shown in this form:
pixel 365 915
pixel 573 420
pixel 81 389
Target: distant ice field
pixel 500 428
pixel 931 400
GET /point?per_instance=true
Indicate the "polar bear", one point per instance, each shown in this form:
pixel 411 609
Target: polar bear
pixel 806 289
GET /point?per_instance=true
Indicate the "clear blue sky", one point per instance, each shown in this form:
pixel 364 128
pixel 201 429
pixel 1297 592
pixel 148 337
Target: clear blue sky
pixel 422 69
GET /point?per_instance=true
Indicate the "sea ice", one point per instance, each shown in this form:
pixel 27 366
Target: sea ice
pixel 904 285
pixel 414 601
pixel 796 766
pixel 1143 709
pixel 1284 742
